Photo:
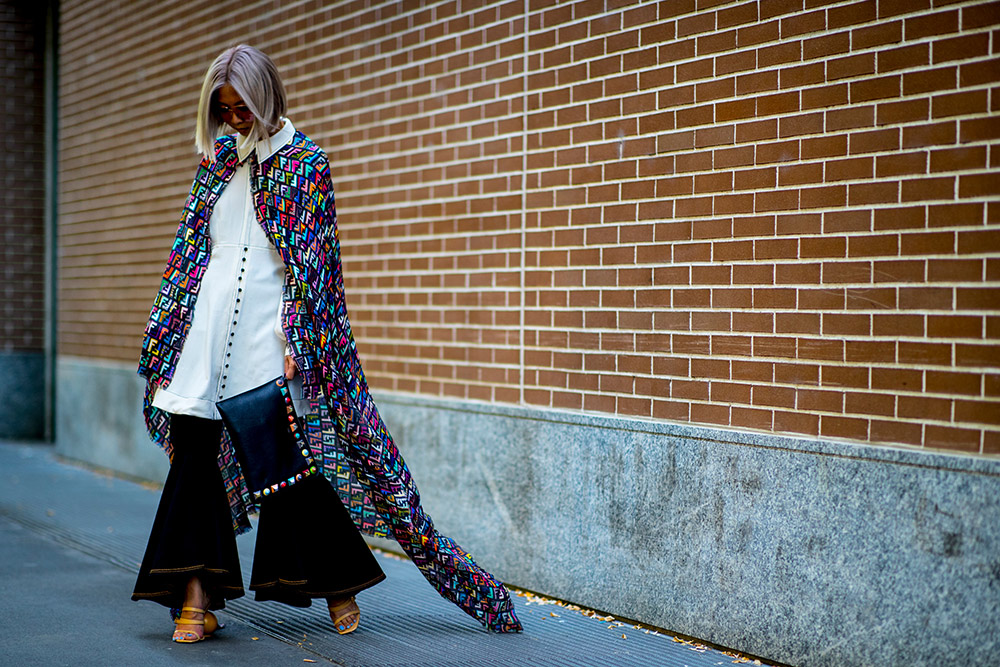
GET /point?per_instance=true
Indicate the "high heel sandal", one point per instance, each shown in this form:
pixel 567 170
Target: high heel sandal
pixel 212 623
pixel 189 636
pixel 337 618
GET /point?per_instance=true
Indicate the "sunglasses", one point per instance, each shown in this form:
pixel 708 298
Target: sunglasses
pixel 241 110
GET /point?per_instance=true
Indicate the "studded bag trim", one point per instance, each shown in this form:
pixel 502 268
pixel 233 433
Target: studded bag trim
pixel 268 438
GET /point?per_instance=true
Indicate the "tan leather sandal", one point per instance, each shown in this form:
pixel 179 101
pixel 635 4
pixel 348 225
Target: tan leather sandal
pixel 189 636
pixel 352 610
pixel 212 623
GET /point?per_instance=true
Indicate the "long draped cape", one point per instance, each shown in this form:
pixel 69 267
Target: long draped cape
pixel 294 201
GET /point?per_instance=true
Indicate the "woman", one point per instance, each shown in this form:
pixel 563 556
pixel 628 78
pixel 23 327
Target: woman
pixel 253 286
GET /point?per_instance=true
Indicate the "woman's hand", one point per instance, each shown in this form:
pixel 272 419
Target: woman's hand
pixel 290 367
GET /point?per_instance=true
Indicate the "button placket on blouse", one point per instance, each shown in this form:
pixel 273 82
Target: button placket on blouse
pixel 238 296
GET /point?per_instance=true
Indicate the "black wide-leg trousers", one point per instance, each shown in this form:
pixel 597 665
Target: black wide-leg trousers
pixel 307 545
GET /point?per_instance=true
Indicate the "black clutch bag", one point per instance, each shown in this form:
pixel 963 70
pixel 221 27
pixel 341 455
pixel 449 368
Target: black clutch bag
pixel 267 436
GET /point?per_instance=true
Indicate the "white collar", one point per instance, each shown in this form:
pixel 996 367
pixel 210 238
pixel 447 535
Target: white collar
pixel 265 147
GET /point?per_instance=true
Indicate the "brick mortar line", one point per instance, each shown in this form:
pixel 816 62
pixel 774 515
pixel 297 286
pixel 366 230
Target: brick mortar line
pixel 838 312
pixel 775 212
pixel 923 421
pixel 703 333
pixel 789 361
pixel 582 393
pixel 355 258
pixel 985 427
pixel 986 284
pixel 800 38
pixel 444 165
pixel 775 261
pixel 902 97
pixel 708 356
pixel 793 406
pixel 781 39
pixel 741 3
pixel 805 386
pixel 823 134
pixel 392 206
pixel 522 321
pixel 419 344
pixel 811 386
pixel 779 67
pixel 897 178
pixel 894 337
pixel 375 309
pixel 395 222
pixel 981 397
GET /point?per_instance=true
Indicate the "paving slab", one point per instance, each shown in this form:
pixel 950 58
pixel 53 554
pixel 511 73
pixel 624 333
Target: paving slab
pixel 71 540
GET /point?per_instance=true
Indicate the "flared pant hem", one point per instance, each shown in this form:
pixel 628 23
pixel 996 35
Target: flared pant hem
pixel 293 593
pixel 307 545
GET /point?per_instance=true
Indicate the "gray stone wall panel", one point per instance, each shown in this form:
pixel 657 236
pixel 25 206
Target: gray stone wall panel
pixel 99 418
pixel 807 552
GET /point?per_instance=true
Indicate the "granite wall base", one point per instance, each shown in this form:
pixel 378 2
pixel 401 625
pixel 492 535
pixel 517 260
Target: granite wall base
pixel 805 552
pixel 99 418
pixel 22 410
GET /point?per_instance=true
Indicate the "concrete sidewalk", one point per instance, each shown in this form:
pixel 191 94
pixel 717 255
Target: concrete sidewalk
pixel 71 540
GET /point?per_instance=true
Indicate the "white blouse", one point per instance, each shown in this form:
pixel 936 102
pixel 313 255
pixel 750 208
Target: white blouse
pixel 235 342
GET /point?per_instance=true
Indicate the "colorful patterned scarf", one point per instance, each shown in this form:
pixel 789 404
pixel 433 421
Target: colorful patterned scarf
pixel 293 196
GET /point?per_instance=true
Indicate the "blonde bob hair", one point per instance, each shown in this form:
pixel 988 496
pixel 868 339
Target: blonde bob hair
pixel 253 75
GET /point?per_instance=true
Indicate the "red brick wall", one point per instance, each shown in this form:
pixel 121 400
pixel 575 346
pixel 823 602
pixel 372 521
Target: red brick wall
pixel 22 197
pixel 780 215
